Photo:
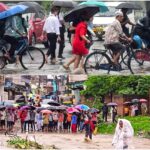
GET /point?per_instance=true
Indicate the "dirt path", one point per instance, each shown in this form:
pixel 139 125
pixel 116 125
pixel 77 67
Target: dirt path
pixel 76 141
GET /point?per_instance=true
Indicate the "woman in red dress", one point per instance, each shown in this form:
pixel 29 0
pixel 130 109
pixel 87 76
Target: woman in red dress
pixel 80 40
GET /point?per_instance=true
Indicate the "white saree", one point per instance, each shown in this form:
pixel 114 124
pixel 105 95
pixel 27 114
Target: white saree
pixel 122 136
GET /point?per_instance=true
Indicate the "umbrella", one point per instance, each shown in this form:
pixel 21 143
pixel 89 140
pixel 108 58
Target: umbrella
pixel 33 7
pixel 72 110
pixel 62 107
pixel 82 107
pixel 53 103
pixel 2 107
pixel 74 14
pixel 13 11
pixel 112 104
pixel 52 108
pixel 127 103
pixel 24 107
pixel 129 6
pixel 65 4
pixel 38 109
pixel 135 100
pixel 101 5
pixel 93 110
pixel 3 7
pixel 143 100
pixel 46 111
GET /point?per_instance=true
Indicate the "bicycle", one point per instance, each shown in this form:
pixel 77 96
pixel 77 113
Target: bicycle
pixel 101 60
pixel 29 56
pixel 142 56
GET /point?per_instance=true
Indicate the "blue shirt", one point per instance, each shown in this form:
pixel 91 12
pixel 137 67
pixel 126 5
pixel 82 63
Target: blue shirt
pixel 74 119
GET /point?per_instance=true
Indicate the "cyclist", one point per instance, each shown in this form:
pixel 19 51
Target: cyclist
pixel 15 30
pixel 112 37
pixel 142 29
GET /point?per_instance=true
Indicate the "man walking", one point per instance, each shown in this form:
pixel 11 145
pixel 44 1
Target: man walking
pixel 51 28
pixel 62 31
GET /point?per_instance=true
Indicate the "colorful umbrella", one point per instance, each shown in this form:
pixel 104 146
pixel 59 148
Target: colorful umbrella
pixel 3 7
pixel 143 100
pixel 24 107
pixel 112 104
pixel 13 11
pixel 82 107
pixel 72 110
pixel 46 111
pixel 101 5
pixel 38 109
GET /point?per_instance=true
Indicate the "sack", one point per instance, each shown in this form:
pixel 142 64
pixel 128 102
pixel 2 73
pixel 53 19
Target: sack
pixel 95 130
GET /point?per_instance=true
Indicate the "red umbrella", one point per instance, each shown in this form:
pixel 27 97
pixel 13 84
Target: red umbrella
pixel 3 7
pixel 143 100
pixel 46 111
pixel 72 110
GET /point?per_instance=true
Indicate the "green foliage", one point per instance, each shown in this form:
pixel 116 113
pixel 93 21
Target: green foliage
pixel 127 85
pixel 141 124
pixel 20 143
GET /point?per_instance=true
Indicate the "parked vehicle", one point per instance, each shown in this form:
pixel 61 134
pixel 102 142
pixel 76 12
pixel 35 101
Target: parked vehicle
pixel 35 27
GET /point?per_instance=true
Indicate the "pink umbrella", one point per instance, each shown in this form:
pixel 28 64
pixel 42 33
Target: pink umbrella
pixel 3 7
pixel 143 100
pixel 46 111
pixel 72 110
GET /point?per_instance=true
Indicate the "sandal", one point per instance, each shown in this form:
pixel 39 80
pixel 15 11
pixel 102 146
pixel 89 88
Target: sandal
pixel 66 67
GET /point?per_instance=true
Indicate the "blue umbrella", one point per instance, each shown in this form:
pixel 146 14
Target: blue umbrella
pixel 101 5
pixel 13 11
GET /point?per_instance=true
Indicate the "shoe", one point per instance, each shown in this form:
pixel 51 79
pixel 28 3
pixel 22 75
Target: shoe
pixel 61 57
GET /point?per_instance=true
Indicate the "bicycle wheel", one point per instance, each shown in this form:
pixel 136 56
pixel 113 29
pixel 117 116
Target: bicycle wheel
pixel 2 62
pixel 97 63
pixel 135 61
pixel 32 58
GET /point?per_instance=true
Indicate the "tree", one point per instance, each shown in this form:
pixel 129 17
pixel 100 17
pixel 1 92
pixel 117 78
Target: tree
pixel 99 86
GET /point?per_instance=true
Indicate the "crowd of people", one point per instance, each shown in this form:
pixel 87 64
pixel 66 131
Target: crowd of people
pixel 57 121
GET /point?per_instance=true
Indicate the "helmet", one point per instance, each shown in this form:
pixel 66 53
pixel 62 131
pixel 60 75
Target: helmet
pixel 137 42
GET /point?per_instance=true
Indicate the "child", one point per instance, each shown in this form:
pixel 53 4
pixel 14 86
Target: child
pixel 45 122
pixel 89 128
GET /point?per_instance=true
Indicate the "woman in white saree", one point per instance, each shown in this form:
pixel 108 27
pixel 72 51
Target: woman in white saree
pixel 123 134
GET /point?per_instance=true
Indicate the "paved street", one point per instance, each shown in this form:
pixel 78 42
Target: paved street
pixel 58 69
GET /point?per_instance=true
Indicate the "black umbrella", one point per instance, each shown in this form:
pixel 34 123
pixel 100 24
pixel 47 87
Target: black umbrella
pixel 40 108
pixel 65 4
pixel 33 7
pixel 2 107
pixel 75 13
pixel 129 6
pixel 53 103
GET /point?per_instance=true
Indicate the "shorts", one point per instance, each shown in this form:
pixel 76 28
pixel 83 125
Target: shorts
pixel 10 123
pixel 116 47
pixel 2 123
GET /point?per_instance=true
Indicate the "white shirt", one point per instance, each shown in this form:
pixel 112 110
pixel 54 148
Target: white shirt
pixel 51 25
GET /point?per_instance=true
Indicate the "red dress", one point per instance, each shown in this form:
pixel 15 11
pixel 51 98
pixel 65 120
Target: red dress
pixel 79 47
